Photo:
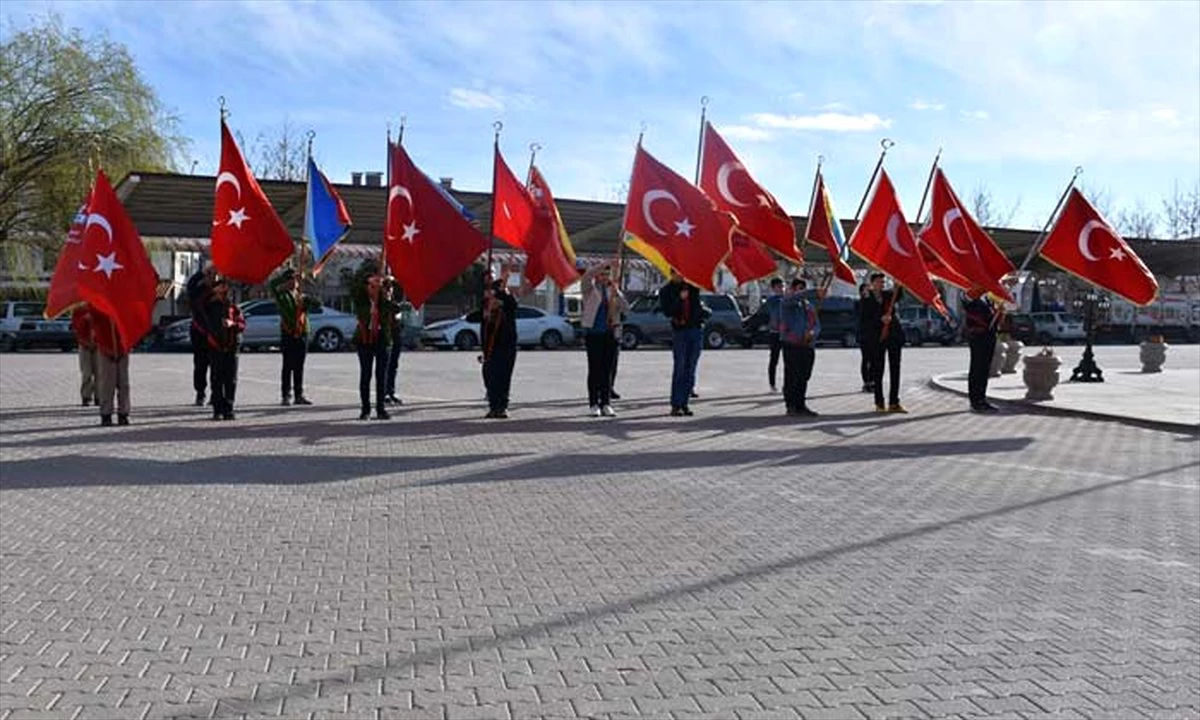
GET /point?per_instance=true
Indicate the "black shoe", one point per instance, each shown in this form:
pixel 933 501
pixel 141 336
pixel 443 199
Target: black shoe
pixel 988 407
pixel 676 412
pixel 382 414
pixel 365 414
pixel 122 419
pixel 216 416
pixel 228 416
pixel 199 399
pixel 87 402
pixel 793 412
pixel 301 400
pixel 868 388
pixel 694 394
pixel 287 401
pixel 500 415
pixel 807 412
pixel 687 411
pixel 105 420
pixel 613 394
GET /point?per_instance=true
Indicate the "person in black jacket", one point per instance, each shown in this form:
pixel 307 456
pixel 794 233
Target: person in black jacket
pixel 883 336
pixel 980 329
pixel 199 287
pixel 864 364
pixel 680 301
pixel 498 327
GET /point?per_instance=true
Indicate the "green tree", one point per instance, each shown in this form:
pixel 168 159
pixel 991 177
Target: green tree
pixel 68 99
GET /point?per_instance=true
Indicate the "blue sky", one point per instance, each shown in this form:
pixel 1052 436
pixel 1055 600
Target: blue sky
pixel 1016 94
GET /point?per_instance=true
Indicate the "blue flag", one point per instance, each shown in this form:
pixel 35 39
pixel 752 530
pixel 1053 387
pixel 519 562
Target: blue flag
pixel 326 220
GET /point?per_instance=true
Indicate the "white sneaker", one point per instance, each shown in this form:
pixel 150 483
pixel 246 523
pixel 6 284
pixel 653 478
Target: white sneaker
pixel 594 411
pixel 607 411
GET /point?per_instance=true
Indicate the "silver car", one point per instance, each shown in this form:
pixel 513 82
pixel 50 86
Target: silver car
pixel 329 329
pixel 534 327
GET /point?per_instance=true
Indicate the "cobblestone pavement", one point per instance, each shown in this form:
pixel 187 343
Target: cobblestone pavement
pixel 738 564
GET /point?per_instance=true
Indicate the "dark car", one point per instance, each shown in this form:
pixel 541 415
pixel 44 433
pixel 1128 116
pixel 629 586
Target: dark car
pixel 22 327
pixel 1019 326
pixel 836 314
pixel 645 322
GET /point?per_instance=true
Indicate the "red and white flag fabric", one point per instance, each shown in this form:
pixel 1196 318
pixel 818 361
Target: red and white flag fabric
pixel 731 188
pixel 959 244
pixel 824 229
pixel 248 239
pixel 671 223
pixel 514 213
pixel 105 265
pixel 884 239
pixel 1085 245
pixel 427 240
pixel 556 256
pixel 748 259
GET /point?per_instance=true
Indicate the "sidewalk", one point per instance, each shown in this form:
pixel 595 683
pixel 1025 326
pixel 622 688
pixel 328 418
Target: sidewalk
pixel 1169 398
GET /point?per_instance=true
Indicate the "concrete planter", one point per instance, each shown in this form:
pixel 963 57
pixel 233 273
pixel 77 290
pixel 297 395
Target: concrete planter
pixel 1012 356
pixel 997 360
pixel 1153 355
pixel 1041 375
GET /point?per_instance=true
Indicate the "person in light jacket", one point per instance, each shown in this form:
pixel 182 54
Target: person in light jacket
pixel 600 321
pixel 799 328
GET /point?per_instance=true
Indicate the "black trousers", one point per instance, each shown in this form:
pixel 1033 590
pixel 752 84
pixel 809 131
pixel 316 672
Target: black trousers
pixel 200 364
pixel 601 360
pixel 497 375
pixel 776 345
pixel 295 349
pixel 797 369
pixel 864 365
pixel 612 384
pixel 372 359
pixel 393 364
pixel 890 351
pixel 982 348
pixel 224 380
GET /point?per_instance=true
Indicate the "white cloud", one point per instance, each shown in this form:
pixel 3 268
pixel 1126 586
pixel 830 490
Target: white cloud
pixel 474 99
pixel 921 105
pixel 1166 115
pixel 974 114
pixel 744 132
pixel 828 121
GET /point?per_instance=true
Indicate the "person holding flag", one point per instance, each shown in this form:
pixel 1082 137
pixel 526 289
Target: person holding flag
pixel 375 310
pixel 980 330
pixel 112 369
pixel 774 307
pixel 81 325
pixel 680 301
pixel 224 325
pixel 293 308
pixel 799 329
pixel 883 338
pixel 603 305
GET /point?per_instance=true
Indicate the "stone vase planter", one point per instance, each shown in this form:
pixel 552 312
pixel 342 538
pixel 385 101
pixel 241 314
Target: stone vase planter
pixel 1041 375
pixel 997 360
pixel 1153 355
pixel 1012 356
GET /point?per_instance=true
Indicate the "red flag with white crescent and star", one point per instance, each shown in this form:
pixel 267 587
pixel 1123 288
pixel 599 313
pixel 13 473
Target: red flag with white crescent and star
pixel 552 255
pixel 428 240
pixel 673 224
pixel 108 266
pixel 248 239
pixel 1085 245
pixel 729 185
pixel 64 283
pixel 514 213
pixel 884 239
pixel 957 242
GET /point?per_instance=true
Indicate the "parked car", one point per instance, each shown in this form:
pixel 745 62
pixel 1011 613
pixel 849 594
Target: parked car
pixel 1051 327
pixel 924 324
pixel 1020 327
pixel 329 329
pixel 836 314
pixel 534 327
pixel 22 326
pixel 645 322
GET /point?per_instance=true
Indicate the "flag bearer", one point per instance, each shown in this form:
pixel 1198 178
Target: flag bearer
pixel 680 301
pixel 773 303
pixel 600 320
pixel 81 325
pixel 293 333
pixel 980 330
pixel 799 329
pixel 372 337
pixel 224 323
pixel 199 290
pixel 884 337
pixel 499 338
pixel 112 366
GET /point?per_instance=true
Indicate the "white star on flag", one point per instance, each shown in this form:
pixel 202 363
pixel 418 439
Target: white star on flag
pixel 684 228
pixel 107 264
pixel 237 217
pixel 410 232
pixel 1116 254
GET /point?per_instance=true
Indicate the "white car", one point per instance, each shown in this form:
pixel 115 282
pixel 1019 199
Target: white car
pixel 1057 327
pixel 534 327
pixel 328 329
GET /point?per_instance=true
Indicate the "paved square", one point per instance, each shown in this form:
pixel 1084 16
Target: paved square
pixel 738 564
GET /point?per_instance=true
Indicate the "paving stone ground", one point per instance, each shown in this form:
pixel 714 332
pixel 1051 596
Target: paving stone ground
pixel 739 564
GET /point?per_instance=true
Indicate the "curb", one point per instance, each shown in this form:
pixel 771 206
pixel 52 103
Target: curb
pixel 939 382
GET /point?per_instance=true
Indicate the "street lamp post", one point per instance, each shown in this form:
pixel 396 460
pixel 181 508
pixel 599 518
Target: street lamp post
pixel 1087 370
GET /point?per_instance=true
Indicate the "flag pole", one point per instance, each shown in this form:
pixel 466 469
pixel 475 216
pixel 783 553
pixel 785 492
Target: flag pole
pixel 1041 238
pixel 928 184
pixel 625 214
pixel 700 140
pixel 827 282
pixel 307 200
pixel 384 270
pixel 886 144
pixel 533 150
pixel 497 126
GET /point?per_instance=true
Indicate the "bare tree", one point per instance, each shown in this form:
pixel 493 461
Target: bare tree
pixel 278 153
pixel 1101 199
pixel 1181 212
pixel 1140 222
pixel 985 210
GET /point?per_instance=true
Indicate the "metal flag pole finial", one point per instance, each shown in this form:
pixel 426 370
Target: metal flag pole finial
pixel 533 151
pixel 1041 238
pixel 224 112
pixel 498 126
pixel 928 184
pixel 886 144
pixel 310 135
pixel 700 140
pixel 400 132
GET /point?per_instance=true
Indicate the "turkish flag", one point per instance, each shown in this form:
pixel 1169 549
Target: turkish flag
pixel 1083 244
pixel 514 213
pixel 64 283
pixel 729 185
pixel 748 259
pixel 671 222
pixel 957 243
pixel 106 266
pixel 884 239
pixel 428 241
pixel 824 229
pixel 248 238
pixel 553 255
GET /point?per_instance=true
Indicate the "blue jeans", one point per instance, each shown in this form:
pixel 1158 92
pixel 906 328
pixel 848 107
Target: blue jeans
pixel 685 346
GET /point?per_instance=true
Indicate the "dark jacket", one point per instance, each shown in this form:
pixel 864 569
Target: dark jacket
pixel 365 334
pixel 871 320
pixel 198 295
pixel 687 314
pixel 499 330
pixel 222 337
pixel 979 318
